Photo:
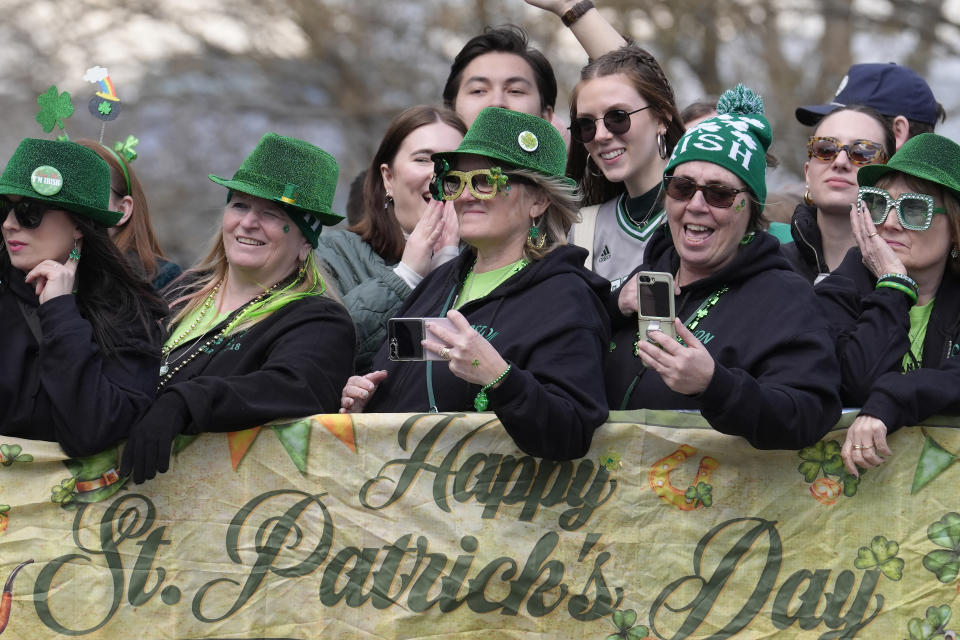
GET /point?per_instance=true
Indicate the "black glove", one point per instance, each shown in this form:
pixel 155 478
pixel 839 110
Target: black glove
pixel 147 451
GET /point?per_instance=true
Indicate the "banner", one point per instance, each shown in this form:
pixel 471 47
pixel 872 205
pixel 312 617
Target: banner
pixel 436 525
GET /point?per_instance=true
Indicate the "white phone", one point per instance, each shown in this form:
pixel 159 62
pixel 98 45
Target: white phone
pixel 655 303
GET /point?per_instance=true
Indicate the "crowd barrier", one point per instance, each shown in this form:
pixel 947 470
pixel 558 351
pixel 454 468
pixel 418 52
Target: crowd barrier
pixel 436 526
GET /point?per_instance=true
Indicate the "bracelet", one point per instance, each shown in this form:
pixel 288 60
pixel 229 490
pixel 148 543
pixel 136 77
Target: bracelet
pixel 480 403
pixel 576 12
pixel 907 280
pixel 899 287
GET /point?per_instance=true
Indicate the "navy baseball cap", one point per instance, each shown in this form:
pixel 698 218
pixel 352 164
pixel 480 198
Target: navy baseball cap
pixel 891 89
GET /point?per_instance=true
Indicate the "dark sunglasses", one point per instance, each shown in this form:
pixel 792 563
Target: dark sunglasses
pixel 914 210
pixel 29 212
pixel 716 195
pixel 860 152
pixel 617 122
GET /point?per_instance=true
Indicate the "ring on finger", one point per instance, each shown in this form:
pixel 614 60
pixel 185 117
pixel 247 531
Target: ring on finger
pixel 445 353
pixel 870 235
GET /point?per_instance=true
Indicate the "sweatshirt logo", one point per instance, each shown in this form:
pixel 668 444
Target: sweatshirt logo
pixel 486 331
pixel 605 254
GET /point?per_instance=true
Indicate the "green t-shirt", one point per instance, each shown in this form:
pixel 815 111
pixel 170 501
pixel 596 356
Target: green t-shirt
pixel 477 285
pixel 919 317
pixel 207 322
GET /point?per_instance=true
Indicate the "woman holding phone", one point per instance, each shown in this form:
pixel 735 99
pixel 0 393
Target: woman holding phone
pixel 751 352
pixel 528 328
pixel 80 346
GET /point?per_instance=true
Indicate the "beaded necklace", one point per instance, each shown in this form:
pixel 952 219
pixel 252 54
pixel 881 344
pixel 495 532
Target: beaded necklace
pixel 695 318
pixel 205 347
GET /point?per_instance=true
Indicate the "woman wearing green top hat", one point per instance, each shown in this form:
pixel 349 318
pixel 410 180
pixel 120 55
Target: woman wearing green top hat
pixel 894 302
pixel 528 329
pixel 80 333
pixel 751 352
pixel 252 336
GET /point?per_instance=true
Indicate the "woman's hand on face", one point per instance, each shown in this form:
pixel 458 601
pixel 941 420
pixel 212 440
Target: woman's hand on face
pixel 450 234
pixel 878 257
pixel 627 299
pixel 419 248
pixel 866 441
pixel 51 279
pixel 558 7
pixel 685 369
pixel 358 391
pixel 470 355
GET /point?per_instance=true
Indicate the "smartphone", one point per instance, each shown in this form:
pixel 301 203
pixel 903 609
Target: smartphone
pixel 655 302
pixel 404 336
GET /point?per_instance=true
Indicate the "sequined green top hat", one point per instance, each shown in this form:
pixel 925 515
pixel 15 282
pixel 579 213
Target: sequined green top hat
pixel 64 174
pixel 297 174
pixel 927 156
pixel 736 139
pixel 517 139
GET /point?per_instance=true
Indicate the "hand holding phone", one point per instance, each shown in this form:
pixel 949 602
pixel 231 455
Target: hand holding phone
pixel 655 303
pixel 405 338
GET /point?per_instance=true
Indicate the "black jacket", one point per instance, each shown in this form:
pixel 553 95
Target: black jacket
pixel 548 323
pixel 293 363
pixel 871 327
pixel 805 253
pixel 64 389
pixel 776 377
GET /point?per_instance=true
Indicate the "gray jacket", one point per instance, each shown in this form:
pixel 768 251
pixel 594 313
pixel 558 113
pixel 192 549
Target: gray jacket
pixel 370 289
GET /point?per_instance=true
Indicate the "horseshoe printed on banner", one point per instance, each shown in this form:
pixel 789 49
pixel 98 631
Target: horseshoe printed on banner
pixel 659 477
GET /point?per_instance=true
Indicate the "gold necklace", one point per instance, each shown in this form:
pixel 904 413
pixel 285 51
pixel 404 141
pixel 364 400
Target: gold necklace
pixel 165 371
pixel 193 325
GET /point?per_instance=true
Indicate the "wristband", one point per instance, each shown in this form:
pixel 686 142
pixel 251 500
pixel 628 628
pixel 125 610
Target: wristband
pixel 480 403
pixel 890 284
pixel 576 12
pixel 907 280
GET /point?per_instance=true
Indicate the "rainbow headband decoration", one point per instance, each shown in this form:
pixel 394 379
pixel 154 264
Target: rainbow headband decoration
pixel 99 75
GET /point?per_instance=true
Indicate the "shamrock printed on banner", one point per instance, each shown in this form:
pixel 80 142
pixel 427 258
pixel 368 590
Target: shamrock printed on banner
pixel 944 563
pixel 55 107
pixel 882 555
pixel 933 625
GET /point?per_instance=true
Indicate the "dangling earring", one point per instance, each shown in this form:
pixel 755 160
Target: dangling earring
pixel 75 253
pixel 807 199
pixel 303 270
pixel 661 146
pixel 595 174
pixel 536 238
pixel 387 201
pixel 955 252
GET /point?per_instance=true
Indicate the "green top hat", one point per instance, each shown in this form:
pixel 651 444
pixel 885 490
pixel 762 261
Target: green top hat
pixel 63 174
pixel 518 139
pixel 927 156
pixel 295 173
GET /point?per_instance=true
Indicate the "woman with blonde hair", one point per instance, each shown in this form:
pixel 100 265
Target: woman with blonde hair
pixel 528 331
pixel 253 338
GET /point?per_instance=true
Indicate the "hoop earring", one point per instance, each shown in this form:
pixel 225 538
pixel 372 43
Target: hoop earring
pixel 75 252
pixel 387 201
pixel 595 174
pixel 661 146
pixel 536 238
pixel 807 199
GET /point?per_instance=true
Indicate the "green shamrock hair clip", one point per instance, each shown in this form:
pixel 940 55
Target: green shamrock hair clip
pixel 127 149
pixel 55 107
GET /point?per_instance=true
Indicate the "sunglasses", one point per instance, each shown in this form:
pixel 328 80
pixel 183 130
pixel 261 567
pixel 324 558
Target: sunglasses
pixel 914 210
pixel 860 152
pixel 617 122
pixel 482 183
pixel 29 212
pixel 716 195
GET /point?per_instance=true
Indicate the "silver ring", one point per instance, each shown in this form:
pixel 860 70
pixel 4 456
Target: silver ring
pixel 445 353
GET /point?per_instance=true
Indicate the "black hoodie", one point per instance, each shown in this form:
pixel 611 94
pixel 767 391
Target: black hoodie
pixel 871 327
pixel 776 376
pixel 805 253
pixel 63 387
pixel 548 323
